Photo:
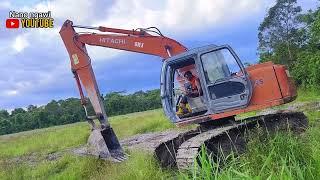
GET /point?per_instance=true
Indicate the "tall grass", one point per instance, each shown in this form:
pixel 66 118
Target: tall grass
pixel 141 122
pixel 281 156
pixel 310 94
pixel 43 141
pixel 140 166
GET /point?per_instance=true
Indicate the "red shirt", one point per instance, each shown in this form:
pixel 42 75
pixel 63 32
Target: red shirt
pixel 194 83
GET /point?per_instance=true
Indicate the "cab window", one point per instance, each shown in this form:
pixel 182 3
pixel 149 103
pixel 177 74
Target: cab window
pixel 218 65
pixel 186 90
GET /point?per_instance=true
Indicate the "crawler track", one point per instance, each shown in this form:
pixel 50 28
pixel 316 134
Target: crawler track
pixel 183 149
pixel 163 144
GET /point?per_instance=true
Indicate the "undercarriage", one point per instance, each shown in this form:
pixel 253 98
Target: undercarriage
pixel 181 149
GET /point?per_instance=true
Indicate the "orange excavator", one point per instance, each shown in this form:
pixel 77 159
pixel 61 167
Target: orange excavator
pixel 227 87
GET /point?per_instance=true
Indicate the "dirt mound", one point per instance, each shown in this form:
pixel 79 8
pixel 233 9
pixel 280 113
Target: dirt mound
pixel 149 141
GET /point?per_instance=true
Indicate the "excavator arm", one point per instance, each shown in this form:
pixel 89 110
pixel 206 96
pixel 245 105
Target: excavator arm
pixel 140 41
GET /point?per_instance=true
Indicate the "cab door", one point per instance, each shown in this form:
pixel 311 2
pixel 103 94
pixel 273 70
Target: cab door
pixel 224 79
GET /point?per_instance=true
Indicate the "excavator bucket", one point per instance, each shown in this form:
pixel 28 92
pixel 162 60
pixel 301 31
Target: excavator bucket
pixel 105 145
pixel 113 144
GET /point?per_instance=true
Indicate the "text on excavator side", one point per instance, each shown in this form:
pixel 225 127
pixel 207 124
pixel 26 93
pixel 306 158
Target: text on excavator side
pixel 112 41
pixel 138 44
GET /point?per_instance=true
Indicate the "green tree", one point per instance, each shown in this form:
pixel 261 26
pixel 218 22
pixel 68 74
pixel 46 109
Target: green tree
pixel 31 108
pixel 279 35
pixel 6 126
pixel 306 70
pixel 4 114
pixel 315 29
pixel 17 111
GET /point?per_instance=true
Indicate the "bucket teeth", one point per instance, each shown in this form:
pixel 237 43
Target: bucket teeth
pixel 119 158
pixel 119 154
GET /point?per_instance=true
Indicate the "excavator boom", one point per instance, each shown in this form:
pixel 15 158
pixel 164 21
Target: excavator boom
pixel 135 41
pixel 139 41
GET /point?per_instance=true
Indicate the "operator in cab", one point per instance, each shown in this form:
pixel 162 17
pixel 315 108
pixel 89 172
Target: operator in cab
pixel 192 89
pixel 192 86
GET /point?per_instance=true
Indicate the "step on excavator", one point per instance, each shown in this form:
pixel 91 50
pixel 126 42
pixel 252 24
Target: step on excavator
pixel 211 80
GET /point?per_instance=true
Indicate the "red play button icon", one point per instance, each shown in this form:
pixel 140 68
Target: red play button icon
pixel 12 23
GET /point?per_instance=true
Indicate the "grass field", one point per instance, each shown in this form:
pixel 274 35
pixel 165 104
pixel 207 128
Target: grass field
pixel 28 155
pixel 33 147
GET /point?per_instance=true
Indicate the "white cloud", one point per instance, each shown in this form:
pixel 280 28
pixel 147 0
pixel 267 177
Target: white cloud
pixel 180 15
pixel 11 92
pixel 195 15
pixel 81 11
pixel 175 17
pixel 20 43
pixel 5 4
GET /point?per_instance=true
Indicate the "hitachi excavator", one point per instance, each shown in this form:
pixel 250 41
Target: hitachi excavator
pixel 228 89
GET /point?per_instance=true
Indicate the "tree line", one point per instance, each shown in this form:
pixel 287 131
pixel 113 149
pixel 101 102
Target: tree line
pixel 290 36
pixel 70 111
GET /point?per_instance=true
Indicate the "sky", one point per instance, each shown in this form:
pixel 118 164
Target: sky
pixel 35 66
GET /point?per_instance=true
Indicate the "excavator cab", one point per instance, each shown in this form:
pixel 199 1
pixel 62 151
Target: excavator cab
pixel 223 80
